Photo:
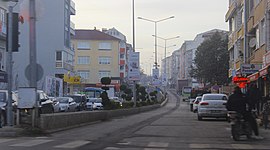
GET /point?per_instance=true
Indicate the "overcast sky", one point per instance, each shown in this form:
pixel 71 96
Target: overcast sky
pixel 191 18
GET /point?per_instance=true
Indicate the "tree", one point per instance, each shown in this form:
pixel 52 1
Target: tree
pixel 211 61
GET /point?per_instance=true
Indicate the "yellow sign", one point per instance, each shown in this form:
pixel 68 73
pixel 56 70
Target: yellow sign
pixel 72 79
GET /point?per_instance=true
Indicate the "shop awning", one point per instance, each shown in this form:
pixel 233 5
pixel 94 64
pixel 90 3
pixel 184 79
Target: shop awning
pixel 263 71
pixel 253 77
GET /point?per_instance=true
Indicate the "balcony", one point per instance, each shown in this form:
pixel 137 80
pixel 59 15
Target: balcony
pixel 231 10
pixel 232 39
pixel 72 28
pixel 59 64
pixel 257 55
pixel 240 33
pixel 72 8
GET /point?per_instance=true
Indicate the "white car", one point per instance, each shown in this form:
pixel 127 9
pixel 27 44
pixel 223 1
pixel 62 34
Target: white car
pixel 196 103
pixel 66 104
pixel 94 104
pixel 212 105
pixel 56 104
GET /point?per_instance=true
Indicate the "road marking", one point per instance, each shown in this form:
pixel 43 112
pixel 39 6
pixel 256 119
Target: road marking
pixel 111 148
pixel 153 149
pixel 6 140
pixel 158 144
pixel 32 143
pixel 228 129
pixel 242 146
pixel 202 146
pixel 73 144
pixel 124 143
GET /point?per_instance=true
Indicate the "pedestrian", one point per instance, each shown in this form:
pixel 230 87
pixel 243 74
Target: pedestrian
pixel 238 102
pixel 254 98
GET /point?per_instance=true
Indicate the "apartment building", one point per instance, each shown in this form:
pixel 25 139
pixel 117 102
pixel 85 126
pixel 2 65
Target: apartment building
pixel 3 36
pixel 96 56
pixel 53 43
pixel 249 40
pixel 184 57
pixel 122 52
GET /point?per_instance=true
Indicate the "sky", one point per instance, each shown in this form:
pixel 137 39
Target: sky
pixel 191 18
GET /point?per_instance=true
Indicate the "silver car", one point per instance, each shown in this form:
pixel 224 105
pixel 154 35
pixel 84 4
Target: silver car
pixel 66 104
pixel 212 105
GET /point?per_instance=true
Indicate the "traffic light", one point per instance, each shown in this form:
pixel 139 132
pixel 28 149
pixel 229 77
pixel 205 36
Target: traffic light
pixel 15 33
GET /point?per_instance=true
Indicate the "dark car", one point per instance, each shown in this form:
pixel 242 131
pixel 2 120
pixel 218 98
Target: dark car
pixel 80 100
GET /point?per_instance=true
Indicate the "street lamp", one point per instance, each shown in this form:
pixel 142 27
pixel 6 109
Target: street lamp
pixel 156 21
pixel 165 49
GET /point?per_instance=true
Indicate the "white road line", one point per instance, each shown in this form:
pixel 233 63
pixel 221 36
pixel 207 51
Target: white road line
pixel 202 146
pixel 32 143
pixel 111 148
pixel 124 143
pixel 73 144
pixel 158 144
pixel 6 140
pixel 242 146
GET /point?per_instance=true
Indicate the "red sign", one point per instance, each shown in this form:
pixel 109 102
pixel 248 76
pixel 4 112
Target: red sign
pixel 240 80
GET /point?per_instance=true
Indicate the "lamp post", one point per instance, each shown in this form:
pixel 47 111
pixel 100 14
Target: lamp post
pixel 165 49
pixel 155 21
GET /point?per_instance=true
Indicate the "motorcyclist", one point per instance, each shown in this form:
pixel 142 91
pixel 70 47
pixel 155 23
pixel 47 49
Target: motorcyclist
pixel 238 102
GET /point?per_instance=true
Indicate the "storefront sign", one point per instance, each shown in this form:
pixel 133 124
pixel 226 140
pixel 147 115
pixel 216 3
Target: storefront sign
pixel 240 80
pixel 250 68
pixel 72 79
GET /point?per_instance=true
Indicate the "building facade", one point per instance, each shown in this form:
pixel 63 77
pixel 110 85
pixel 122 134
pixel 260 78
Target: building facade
pixel 249 40
pixel 55 54
pixel 96 56
pixel 3 40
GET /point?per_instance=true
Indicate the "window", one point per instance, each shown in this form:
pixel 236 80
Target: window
pixel 104 73
pixel 83 60
pixel 104 60
pixel 122 56
pixel 85 74
pixel 257 38
pixel 83 46
pixel 122 67
pixel 262 32
pixel 105 46
pixel 58 56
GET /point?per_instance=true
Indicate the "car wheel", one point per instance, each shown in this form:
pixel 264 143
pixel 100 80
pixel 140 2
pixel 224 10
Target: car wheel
pixel 199 118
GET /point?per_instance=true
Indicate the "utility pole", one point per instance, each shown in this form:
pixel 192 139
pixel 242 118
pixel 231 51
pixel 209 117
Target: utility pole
pixel 33 55
pixel 9 66
pixel 133 18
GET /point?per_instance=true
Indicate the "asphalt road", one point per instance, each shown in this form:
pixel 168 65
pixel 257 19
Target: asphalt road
pixel 172 127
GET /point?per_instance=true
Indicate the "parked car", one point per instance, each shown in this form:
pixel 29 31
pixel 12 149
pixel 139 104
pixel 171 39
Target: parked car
pixel 195 103
pixel 80 100
pixel 212 105
pixel 191 100
pixel 45 104
pixel 117 100
pixel 94 104
pixel 56 105
pixel 3 105
pixel 66 104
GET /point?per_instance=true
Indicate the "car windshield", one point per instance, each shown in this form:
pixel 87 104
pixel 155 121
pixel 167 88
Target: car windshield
pixel 77 99
pixel 214 97
pixel 62 100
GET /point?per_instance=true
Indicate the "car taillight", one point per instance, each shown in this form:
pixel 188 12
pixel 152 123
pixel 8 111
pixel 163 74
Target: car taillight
pixel 204 103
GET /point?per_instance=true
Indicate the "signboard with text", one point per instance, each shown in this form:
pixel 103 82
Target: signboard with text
pixel 250 68
pixel 133 66
pixel 155 78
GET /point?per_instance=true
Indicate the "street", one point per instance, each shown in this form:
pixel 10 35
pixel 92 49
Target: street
pixel 167 128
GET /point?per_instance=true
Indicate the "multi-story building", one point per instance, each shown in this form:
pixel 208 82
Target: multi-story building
pixel 249 38
pixel 122 52
pixel 53 42
pixel 3 36
pixel 96 56
pixel 186 55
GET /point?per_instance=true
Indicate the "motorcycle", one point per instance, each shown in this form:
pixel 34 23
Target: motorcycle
pixel 239 127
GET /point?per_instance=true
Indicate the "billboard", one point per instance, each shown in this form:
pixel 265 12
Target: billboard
pixel 133 66
pixel 54 86
pixel 155 78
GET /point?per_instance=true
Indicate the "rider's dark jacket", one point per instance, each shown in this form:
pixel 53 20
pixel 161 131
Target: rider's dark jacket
pixel 237 102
